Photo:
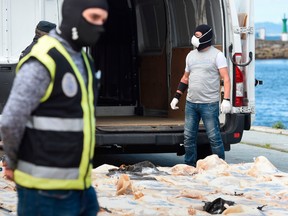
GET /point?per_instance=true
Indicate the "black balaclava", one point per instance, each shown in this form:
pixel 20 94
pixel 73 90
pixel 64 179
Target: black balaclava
pixel 206 38
pixel 74 28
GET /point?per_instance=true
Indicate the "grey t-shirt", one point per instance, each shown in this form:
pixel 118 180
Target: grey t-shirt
pixel 204 77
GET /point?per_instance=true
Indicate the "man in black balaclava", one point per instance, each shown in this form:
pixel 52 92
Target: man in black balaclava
pixel 49 130
pixel 205 40
pixel 76 27
pixel 204 68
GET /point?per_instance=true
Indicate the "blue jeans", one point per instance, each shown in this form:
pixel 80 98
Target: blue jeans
pixel 57 202
pixel 209 112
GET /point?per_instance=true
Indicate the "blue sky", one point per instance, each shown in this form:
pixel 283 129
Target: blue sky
pixel 270 10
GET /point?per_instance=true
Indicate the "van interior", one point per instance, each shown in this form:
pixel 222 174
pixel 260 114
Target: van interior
pixel 142 58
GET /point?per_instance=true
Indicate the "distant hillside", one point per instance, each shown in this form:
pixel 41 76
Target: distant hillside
pixel 270 28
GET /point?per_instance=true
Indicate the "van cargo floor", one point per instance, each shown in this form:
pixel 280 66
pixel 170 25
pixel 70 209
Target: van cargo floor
pixel 138 123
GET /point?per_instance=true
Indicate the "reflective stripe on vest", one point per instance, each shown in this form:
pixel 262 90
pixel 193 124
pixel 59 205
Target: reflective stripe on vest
pixel 31 175
pixel 55 124
pixel 47 172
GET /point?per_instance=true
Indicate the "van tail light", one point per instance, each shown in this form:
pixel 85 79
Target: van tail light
pixel 239 84
pixel 239 88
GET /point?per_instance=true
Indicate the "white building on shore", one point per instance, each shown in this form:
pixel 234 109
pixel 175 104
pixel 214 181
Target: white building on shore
pixel 261 34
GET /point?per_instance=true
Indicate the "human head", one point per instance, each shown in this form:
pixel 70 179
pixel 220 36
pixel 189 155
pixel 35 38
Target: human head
pixel 82 21
pixel 44 27
pixel 202 37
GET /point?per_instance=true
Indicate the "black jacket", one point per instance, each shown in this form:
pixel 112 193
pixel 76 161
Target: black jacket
pixel 28 48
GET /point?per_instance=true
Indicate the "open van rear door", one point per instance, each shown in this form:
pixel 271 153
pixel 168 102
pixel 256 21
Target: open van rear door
pixel 241 55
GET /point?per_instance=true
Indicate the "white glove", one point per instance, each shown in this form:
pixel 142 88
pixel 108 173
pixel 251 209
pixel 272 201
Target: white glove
pixel 225 106
pixel 173 104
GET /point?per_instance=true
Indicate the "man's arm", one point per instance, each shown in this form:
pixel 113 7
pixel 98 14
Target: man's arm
pixel 28 88
pixel 227 85
pixel 225 105
pixel 183 85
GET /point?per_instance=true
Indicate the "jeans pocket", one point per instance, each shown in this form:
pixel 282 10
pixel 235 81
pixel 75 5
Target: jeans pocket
pixel 56 194
pixel 213 106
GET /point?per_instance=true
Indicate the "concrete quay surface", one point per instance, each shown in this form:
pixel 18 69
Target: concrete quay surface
pixel 267 137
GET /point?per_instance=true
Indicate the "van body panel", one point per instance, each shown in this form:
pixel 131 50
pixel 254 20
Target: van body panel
pixel 242 48
pixel 19 19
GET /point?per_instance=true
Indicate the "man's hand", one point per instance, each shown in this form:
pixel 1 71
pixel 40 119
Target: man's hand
pixel 173 104
pixel 225 106
pixel 7 172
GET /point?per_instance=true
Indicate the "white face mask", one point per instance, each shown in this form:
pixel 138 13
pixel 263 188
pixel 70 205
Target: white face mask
pixel 195 41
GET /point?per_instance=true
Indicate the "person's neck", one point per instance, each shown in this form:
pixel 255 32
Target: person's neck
pixel 205 49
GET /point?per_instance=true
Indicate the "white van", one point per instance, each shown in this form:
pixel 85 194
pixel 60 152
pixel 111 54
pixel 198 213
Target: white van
pixel 142 58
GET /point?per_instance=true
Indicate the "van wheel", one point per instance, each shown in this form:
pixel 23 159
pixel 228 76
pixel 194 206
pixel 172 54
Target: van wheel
pixel 203 151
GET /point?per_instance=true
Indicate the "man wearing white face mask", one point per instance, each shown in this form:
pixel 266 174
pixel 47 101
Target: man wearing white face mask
pixel 204 67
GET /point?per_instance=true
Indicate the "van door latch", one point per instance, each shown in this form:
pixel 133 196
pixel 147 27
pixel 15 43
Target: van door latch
pixel 239 64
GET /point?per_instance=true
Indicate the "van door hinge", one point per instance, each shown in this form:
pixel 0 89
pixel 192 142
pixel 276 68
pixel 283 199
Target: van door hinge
pixel 243 30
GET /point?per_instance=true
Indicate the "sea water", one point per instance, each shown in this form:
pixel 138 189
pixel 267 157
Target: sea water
pixel 271 97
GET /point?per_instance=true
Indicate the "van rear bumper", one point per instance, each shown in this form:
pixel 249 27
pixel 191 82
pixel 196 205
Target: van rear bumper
pixel 7 74
pixel 231 133
pixel 140 142
pixel 140 139
pixel 234 127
